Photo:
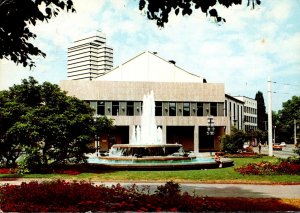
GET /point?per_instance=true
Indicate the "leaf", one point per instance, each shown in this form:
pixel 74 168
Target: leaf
pixel 142 4
pixel 48 11
pixel 213 13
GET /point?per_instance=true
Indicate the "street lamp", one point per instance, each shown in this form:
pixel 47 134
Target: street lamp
pixel 211 129
pixel 97 139
pixel 97 145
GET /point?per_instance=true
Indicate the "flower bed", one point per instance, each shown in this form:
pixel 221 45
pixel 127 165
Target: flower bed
pixel 244 155
pixel 267 168
pixel 5 171
pixel 62 196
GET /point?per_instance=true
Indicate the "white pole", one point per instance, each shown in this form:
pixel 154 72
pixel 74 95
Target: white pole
pixel 270 117
pixel 295 132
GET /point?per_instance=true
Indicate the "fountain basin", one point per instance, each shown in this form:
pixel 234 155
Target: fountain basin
pixel 155 164
pixel 153 157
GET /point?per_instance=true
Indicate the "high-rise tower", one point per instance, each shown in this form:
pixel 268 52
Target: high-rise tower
pixel 89 57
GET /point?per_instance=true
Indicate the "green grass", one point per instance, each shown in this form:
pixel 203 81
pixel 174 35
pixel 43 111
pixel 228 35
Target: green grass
pixel 223 175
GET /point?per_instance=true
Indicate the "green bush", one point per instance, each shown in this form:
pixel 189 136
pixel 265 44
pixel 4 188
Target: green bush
pixel 234 142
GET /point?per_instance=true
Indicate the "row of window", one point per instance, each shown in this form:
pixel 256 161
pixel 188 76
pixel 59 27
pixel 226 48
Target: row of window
pixel 162 108
pixel 249 128
pixel 250 119
pixel 250 110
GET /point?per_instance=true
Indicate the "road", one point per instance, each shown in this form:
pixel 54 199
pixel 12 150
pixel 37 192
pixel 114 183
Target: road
pixel 285 153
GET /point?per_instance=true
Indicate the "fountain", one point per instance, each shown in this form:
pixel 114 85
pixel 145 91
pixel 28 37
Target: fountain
pixel 148 150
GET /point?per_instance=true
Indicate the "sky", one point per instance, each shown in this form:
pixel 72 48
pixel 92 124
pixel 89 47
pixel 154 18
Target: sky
pixel 252 45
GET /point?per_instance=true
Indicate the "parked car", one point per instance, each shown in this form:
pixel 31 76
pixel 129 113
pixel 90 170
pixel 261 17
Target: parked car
pixel 282 144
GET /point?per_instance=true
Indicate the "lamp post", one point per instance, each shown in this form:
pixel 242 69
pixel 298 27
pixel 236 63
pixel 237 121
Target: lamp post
pixel 211 129
pixel 97 145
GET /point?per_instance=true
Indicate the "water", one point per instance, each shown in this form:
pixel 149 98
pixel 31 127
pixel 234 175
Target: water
pixel 96 160
pixel 147 132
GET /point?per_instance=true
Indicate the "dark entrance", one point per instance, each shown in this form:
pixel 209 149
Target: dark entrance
pixel 206 142
pixel 182 135
pixel 121 135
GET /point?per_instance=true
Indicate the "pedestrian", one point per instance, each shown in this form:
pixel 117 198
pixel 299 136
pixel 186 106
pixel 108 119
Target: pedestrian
pixel 259 147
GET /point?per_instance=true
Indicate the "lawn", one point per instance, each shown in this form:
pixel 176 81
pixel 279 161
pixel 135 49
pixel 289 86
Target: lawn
pixel 220 175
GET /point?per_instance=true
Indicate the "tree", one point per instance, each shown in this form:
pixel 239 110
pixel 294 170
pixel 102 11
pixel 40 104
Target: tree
pixel 16 17
pixel 13 106
pixel 261 111
pixel 160 10
pixel 285 125
pixel 49 126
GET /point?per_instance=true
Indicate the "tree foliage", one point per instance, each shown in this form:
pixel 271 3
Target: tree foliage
pixel 261 111
pixel 16 18
pixel 285 119
pixel 160 10
pixel 46 124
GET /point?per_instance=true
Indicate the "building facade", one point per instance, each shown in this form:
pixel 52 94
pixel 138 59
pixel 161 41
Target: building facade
pixel 89 57
pixel 234 110
pixel 184 105
pixel 250 113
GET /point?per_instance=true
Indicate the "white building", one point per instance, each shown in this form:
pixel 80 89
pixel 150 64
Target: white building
pixel 250 112
pixel 234 110
pixel 89 57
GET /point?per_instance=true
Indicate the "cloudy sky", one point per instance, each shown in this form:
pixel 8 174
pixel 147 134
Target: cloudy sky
pixel 242 53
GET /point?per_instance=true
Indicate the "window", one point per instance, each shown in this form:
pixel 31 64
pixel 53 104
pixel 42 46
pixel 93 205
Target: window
pixel 186 109
pixel 130 108
pixel 172 109
pixel 158 108
pixel 213 109
pixel 199 109
pixel 115 108
pixel 101 108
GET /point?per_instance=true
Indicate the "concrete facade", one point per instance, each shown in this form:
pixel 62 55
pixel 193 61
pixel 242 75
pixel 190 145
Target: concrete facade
pixel 183 101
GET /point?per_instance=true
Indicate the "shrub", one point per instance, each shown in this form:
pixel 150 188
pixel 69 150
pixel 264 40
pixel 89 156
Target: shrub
pixel 234 142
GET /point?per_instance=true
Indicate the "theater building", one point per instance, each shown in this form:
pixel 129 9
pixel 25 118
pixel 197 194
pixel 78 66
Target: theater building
pixel 185 105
